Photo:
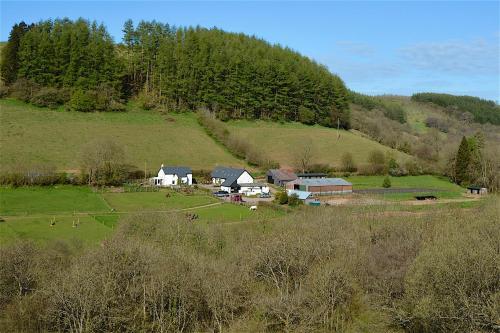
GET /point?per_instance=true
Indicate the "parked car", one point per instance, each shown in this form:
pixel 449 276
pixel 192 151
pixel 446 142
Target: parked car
pixel 221 194
pixel 265 195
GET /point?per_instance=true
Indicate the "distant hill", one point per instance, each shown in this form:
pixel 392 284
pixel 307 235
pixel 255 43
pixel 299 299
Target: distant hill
pixel 481 110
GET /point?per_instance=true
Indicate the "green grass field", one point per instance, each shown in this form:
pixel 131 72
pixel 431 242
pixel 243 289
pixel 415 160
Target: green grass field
pixel 280 142
pixel 426 181
pixel 50 200
pixel 29 211
pixel 138 201
pixel 30 135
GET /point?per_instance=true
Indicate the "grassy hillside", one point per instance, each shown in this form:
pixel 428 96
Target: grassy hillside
pixel 280 141
pixel 31 135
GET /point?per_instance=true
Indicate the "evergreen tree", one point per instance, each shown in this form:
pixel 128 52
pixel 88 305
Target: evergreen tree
pixel 10 59
pixel 462 162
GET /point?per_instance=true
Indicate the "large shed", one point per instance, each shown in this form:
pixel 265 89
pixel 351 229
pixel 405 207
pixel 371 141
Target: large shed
pixel 280 176
pixel 321 186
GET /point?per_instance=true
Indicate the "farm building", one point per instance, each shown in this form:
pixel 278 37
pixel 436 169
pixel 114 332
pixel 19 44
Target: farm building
pixel 237 181
pixel 474 189
pixel 321 186
pixel 302 195
pixel 311 175
pixel 280 177
pixel 171 176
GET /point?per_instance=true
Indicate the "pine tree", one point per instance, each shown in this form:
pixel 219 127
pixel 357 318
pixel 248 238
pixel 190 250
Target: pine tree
pixel 10 59
pixel 462 162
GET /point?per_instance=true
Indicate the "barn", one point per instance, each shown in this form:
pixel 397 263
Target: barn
pixel 321 186
pixel 280 177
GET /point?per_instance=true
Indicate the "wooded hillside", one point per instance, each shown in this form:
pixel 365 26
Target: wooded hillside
pixel 232 75
pixel 480 110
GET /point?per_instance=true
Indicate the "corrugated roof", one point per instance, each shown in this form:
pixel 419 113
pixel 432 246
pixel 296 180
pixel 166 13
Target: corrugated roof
pixel 279 174
pixel 179 170
pixel 302 195
pixel 252 185
pixel 311 174
pixel 322 182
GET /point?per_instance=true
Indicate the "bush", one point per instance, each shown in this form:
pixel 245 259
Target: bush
pixel 347 163
pixel 293 200
pixel 306 116
pixel 376 161
pixel 4 91
pixel 148 101
pixel 50 97
pixel 387 182
pixel 82 101
pixel 23 89
pixel 453 285
pixel 281 197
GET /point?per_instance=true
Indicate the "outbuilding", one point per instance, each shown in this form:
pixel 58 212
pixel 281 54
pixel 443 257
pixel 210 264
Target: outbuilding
pixel 280 177
pixel 253 188
pixel 311 175
pixel 321 186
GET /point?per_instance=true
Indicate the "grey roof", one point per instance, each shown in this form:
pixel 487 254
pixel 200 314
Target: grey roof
pixel 311 174
pixel 229 174
pixel 281 175
pixel 252 185
pixel 322 182
pixel 179 171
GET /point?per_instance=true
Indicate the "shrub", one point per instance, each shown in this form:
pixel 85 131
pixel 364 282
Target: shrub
pixel 453 284
pixel 4 91
pixel 281 197
pixel 148 101
pixel 293 200
pixel 50 97
pixel 23 89
pixel 347 163
pixel 376 161
pixel 82 101
pixel 306 116
pixel 387 182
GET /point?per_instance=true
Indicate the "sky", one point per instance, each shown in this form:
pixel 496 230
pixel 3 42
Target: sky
pixel 376 47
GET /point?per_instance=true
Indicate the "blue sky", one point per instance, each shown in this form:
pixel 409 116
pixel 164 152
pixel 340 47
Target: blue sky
pixel 377 47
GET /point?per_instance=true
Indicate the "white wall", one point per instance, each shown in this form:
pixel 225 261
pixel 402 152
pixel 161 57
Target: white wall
pixel 245 177
pixel 170 180
pixel 253 190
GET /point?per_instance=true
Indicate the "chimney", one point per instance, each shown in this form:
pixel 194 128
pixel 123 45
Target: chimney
pixel 162 165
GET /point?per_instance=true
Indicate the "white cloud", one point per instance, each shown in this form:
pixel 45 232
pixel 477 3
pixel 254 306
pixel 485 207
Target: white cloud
pixel 454 57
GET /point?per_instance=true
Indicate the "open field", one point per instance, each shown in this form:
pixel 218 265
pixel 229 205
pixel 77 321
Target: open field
pixel 426 181
pixel 50 199
pixel 30 135
pixel 280 142
pixel 29 211
pixel 163 200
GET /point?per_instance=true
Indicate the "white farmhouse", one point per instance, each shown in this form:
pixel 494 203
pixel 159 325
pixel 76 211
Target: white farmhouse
pixel 237 181
pixel 171 176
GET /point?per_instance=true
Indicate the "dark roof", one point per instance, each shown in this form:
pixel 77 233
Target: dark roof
pixel 229 174
pixel 179 171
pixel 281 175
pixel 474 187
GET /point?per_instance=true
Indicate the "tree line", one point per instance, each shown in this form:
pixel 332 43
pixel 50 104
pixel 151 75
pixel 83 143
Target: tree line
pixel 175 68
pixel 465 107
